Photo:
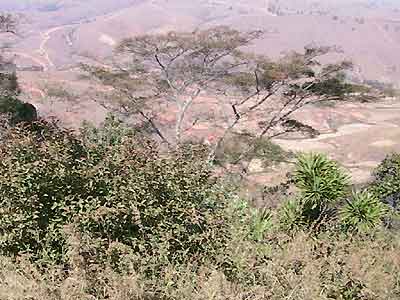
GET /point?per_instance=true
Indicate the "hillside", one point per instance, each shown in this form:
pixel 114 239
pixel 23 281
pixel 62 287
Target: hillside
pixel 367 31
pixel 57 35
pixel 225 150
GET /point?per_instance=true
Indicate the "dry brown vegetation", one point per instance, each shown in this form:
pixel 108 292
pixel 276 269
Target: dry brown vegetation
pixel 300 268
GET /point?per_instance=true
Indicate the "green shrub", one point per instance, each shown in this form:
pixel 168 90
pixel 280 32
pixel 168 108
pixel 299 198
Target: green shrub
pixel 363 212
pixel 237 147
pixel 386 184
pixel 56 188
pixel 291 215
pixel 252 223
pixel 261 223
pixel 18 110
pixel 320 180
pixel 321 184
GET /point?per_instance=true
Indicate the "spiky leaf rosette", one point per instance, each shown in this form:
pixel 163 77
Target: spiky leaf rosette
pixel 363 212
pixel 320 180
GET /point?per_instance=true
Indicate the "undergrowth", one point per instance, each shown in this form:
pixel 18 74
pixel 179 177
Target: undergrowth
pixel 106 215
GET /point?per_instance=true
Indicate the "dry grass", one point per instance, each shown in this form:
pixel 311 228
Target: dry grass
pixel 300 268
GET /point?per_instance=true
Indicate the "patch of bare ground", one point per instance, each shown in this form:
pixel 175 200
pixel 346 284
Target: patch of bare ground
pixel 359 136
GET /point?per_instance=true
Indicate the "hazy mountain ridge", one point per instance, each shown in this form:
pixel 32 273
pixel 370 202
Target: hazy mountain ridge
pixel 54 5
pixel 60 33
pixel 35 5
pixel 341 7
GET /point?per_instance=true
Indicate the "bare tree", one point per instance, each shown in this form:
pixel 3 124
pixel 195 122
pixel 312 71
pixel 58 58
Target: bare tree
pixel 8 23
pixel 177 69
pixel 8 78
pixel 12 109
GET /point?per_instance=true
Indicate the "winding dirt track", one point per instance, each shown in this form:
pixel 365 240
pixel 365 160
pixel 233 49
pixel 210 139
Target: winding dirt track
pixel 46 38
pixel 44 60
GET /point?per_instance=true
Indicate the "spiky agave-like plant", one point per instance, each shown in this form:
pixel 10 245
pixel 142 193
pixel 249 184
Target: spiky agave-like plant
pixel 261 223
pixel 320 180
pixel 322 183
pixel 363 212
pixel 291 216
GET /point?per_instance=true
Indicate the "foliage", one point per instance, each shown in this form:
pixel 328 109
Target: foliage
pixel 111 133
pixel 106 215
pixel 261 223
pixel 321 184
pixel 363 212
pixel 18 110
pixel 334 87
pixel 291 215
pixel 231 150
pixel 386 184
pixel 296 126
pixel 320 180
pixel 154 75
pixel 56 188
pixel 303 267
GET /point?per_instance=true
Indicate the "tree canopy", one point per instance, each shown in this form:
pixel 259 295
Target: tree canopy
pixel 151 76
pixel 12 109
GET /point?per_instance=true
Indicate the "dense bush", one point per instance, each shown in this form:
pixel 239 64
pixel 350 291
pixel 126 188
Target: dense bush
pixel 61 195
pixel 386 184
pixel 244 146
pixel 17 110
pixel 323 200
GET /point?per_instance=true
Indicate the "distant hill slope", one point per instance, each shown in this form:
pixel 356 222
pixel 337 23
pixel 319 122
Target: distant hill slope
pixel 55 5
pixel 58 12
pixel 329 7
pixel 367 30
